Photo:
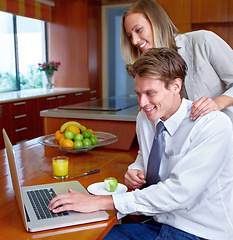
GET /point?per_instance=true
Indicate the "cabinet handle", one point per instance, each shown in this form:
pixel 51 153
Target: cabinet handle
pixel 21 129
pixel 20 116
pixel 19 103
pixel 51 98
pixel 61 96
pixel 94 91
pixel 92 99
pixel 78 94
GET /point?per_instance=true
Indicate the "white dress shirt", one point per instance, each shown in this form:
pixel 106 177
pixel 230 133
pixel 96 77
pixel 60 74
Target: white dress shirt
pixel 210 60
pixel 196 189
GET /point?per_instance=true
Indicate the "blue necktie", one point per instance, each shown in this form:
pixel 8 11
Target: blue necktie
pixel 157 149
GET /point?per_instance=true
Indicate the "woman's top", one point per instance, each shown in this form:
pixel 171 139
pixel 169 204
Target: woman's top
pixel 210 65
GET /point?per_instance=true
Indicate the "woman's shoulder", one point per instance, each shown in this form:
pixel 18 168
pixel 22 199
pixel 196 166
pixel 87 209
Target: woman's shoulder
pixel 200 35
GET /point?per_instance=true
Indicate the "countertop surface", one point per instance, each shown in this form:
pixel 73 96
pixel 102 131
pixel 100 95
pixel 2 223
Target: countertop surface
pixel 36 93
pixel 128 114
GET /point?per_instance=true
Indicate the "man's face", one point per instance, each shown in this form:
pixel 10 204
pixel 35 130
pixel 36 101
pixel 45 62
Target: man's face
pixel 155 100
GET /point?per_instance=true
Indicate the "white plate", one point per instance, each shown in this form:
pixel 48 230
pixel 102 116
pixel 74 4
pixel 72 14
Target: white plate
pixel 99 189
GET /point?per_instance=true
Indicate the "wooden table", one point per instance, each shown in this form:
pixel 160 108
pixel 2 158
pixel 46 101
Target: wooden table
pixel 36 168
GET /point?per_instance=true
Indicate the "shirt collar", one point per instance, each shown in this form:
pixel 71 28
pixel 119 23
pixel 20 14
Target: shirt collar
pixel 175 120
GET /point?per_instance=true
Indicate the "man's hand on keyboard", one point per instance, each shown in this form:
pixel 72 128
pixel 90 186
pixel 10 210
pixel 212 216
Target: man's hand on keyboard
pixel 80 202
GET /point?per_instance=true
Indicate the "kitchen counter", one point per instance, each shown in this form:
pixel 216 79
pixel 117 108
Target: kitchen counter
pixel 36 93
pixel 121 123
pixel 128 114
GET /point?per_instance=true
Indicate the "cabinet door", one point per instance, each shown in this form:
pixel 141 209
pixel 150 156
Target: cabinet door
pixel 20 120
pixel 79 97
pixel 209 11
pixel 93 95
pixel 1 127
pixel 48 103
pixel 180 13
pixel 63 100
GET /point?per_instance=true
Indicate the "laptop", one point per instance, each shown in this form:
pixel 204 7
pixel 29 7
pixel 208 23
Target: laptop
pixel 33 200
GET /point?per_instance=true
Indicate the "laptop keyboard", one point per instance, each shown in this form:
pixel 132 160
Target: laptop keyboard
pixel 40 200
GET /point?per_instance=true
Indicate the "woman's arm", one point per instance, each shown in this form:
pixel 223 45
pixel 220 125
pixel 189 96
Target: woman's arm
pixel 220 57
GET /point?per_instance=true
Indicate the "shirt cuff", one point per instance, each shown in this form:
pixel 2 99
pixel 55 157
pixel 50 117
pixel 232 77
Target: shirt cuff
pixel 124 203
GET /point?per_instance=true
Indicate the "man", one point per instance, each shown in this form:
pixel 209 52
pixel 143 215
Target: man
pixel 194 195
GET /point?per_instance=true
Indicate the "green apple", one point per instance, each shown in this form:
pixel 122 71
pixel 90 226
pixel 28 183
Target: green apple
pixel 78 144
pixel 69 135
pixel 78 136
pixel 86 133
pixel 87 142
pixel 110 184
pixel 94 140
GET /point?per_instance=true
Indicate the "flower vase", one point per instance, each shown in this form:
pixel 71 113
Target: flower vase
pixel 50 80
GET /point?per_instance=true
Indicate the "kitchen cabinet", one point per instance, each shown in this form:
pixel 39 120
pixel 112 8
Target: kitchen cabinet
pixel 4 119
pixel 56 101
pixel 179 12
pixel 21 119
pixel 204 11
pixel 217 17
pixel 78 97
pixel 93 95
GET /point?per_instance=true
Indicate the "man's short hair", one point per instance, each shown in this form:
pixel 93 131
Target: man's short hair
pixel 163 64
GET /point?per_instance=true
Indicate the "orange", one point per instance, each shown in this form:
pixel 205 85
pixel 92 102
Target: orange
pixel 58 135
pixel 61 140
pixel 73 128
pixel 92 132
pixel 67 143
pixel 84 128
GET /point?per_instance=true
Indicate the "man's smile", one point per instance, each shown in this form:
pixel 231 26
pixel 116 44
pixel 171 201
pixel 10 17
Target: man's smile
pixel 149 109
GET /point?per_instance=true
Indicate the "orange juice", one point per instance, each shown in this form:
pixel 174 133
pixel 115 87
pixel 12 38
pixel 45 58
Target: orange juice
pixel 60 167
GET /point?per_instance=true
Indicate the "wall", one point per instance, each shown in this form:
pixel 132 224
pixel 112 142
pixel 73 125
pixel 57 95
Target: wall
pixel 75 36
pixel 68 43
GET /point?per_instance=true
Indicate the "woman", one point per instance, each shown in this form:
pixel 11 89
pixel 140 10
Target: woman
pixel 209 81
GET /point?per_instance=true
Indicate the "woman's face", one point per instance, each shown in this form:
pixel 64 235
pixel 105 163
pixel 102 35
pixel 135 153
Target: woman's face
pixel 139 30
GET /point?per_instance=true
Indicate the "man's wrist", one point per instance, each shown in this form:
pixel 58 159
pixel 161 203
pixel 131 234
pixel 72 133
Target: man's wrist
pixel 105 202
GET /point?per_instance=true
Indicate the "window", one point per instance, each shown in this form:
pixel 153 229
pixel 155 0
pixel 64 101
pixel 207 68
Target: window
pixel 22 47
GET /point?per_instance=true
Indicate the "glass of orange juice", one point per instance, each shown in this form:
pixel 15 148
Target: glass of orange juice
pixel 60 167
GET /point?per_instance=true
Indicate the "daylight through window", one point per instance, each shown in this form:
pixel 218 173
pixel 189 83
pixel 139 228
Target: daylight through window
pixel 22 47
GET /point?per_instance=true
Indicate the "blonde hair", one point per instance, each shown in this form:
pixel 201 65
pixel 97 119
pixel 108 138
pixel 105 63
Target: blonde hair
pixel 163 29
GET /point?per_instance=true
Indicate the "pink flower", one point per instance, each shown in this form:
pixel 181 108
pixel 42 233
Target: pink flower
pixel 57 64
pixel 49 67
